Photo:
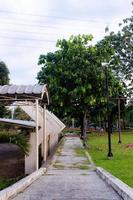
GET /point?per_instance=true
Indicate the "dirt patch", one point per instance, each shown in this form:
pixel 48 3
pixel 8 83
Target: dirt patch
pixel 129 146
pixel 72 135
pixel 11 161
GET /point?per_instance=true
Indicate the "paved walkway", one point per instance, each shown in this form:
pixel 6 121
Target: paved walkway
pixel 70 177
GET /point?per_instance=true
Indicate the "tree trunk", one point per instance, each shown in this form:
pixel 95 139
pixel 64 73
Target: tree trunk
pixel 105 124
pixel 81 128
pixel 73 123
pixel 84 128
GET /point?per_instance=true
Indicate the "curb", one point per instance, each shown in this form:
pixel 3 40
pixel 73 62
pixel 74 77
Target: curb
pixel 52 157
pixel 120 187
pixel 19 186
pixel 89 158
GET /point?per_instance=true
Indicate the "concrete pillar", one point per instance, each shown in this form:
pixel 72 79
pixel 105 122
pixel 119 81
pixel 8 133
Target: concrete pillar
pixel 30 160
pixel 36 153
pixel 44 135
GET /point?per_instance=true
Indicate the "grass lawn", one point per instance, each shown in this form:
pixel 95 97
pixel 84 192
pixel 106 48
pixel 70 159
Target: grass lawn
pixel 121 165
pixel 7 182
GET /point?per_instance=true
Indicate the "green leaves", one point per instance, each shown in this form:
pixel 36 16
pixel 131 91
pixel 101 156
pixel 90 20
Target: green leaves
pixel 4 74
pixel 129 115
pixel 4 79
pixel 75 77
pixel 122 44
pixel 19 139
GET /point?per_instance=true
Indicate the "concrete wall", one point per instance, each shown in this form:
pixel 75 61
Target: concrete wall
pixel 52 141
pixel 11 161
pixel 53 127
pixel 30 160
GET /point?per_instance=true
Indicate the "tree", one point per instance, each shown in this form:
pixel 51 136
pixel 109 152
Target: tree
pixel 4 74
pixel 122 43
pixel 20 114
pixel 4 79
pixel 129 114
pixel 75 77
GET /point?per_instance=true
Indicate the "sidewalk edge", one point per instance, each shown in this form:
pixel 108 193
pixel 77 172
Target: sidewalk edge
pixel 19 186
pixel 120 187
pixel 89 158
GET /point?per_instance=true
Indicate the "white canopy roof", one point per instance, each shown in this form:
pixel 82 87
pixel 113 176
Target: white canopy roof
pixel 28 92
pixel 22 123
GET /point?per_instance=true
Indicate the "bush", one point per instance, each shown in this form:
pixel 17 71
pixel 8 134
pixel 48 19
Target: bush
pixel 19 139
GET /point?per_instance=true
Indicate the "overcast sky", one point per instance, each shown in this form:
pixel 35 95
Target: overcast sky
pixel 29 28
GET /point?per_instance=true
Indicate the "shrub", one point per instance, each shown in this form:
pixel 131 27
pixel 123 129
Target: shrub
pixel 19 139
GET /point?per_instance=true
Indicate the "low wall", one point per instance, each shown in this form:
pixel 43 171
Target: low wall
pixel 11 161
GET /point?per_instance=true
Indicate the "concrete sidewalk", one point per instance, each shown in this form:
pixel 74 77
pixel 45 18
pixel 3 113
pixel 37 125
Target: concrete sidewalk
pixel 70 177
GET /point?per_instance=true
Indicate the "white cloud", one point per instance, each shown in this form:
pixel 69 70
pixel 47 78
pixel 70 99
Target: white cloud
pixel 26 6
pixel 99 8
pixel 93 17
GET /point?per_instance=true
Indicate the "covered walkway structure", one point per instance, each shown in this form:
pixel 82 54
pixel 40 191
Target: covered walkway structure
pixel 44 126
pixel 70 177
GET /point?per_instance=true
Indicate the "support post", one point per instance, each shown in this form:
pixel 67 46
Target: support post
pixel 119 118
pixel 44 135
pixel 73 123
pixel 108 115
pixel 84 128
pixel 37 156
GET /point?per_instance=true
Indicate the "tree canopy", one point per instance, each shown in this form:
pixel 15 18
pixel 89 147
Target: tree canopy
pixel 75 76
pixel 20 114
pixel 129 114
pixel 4 79
pixel 122 44
pixel 4 74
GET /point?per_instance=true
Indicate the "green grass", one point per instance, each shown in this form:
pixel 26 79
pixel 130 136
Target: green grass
pixel 58 166
pixel 121 165
pixel 58 152
pixel 59 149
pixel 80 152
pixel 7 182
pixel 83 167
pixel 73 132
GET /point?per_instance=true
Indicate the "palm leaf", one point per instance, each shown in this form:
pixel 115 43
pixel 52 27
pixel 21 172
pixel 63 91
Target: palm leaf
pixel 19 139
